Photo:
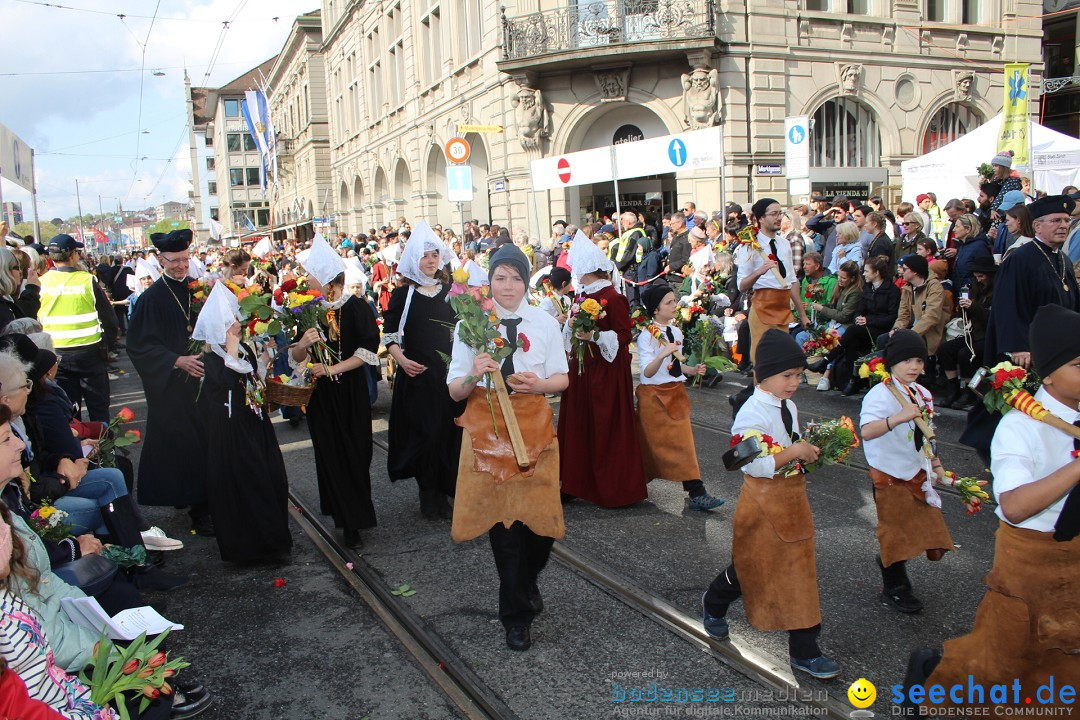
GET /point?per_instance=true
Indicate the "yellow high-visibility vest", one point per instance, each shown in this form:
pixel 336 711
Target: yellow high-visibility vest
pixel 68 309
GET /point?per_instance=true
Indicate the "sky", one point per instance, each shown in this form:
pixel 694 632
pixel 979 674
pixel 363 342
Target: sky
pixel 86 125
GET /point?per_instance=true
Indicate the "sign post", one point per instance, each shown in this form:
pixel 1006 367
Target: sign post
pixel 797 154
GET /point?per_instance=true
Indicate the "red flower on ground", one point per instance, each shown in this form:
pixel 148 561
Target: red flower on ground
pixel 279 582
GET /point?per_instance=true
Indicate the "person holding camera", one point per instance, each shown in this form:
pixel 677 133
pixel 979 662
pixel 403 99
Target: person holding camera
pixel 961 356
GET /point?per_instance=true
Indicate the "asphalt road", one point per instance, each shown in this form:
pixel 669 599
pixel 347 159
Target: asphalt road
pixel 311 648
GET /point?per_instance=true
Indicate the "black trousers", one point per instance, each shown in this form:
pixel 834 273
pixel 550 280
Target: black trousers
pixel 854 343
pixel 725 589
pixel 83 375
pixel 954 356
pixel 520 555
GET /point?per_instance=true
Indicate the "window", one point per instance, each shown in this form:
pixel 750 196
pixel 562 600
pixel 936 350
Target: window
pixel 397 75
pixel 374 79
pixel 817 5
pixel 472 25
pixel 232 108
pixel 210 163
pixel 858 7
pixel 431 30
pixel 249 143
pixel 935 10
pixel 233 142
pixel 262 217
pixel 236 177
pixel 252 176
pixel 844 133
pixel 211 187
pixel 214 214
pixel 971 12
pixel 948 124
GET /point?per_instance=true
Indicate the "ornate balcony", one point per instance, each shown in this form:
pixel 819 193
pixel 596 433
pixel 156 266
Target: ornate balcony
pixel 586 30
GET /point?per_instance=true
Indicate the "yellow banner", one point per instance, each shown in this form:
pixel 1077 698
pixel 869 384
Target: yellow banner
pixel 1014 119
pixel 462 128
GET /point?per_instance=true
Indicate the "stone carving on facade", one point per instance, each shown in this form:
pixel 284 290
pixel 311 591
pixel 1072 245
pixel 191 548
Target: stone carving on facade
pixel 850 76
pixel 613 83
pixel 531 117
pixel 701 97
pixel 963 82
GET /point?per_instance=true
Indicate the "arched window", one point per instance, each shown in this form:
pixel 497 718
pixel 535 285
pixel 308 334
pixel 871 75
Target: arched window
pixel 844 133
pixel 949 123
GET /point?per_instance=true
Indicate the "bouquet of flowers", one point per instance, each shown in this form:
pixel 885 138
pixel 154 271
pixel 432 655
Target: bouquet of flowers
pixel 769 446
pixel 114 439
pixel 302 310
pixel 872 369
pixel 585 316
pixel 138 668
pixel 200 290
pixel 822 340
pixel 48 522
pixel 709 331
pixel 260 320
pixel 970 490
pixel 1008 382
pixel 986 170
pixel 834 439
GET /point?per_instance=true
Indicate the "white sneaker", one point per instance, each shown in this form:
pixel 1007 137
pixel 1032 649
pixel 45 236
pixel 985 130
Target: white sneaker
pixel 823 384
pixel 156 539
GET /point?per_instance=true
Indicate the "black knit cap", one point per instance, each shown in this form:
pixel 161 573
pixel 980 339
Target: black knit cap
pixel 510 254
pixel 653 296
pixel 761 206
pixel 917 264
pixel 1054 336
pixel 904 345
pixel 776 352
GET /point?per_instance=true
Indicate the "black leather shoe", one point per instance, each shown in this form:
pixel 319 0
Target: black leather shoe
pixel 536 601
pixel 185 706
pixel 353 539
pixel 443 508
pixel 203 525
pixel 517 638
pixel 818 365
pixel 902 600
pixel 148 577
pixel 850 389
pixel 190 686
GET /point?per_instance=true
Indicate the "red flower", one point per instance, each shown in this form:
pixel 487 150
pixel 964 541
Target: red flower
pixel 126 415
pixel 603 303
pixel 193 285
pixel 1000 377
pixel 523 342
pixel 279 582
pixel 288 286
pixel 773 257
pixel 156 660
pixel 279 297
pixel 130 666
pixel 736 439
pixel 137 434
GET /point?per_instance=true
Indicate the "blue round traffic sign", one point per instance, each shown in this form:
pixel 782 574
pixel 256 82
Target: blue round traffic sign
pixel 677 152
pixel 796 134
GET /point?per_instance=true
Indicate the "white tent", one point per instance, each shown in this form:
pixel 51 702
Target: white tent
pixel 952 171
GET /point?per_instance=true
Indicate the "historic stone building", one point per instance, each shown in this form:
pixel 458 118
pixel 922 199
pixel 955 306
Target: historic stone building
pixel 882 80
pixel 297 96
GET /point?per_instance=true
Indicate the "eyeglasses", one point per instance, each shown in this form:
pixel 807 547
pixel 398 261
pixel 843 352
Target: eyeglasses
pixel 774 213
pixel 913 223
pixel 175 260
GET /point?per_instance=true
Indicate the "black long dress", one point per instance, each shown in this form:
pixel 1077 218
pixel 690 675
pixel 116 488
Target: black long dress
pixel 246 484
pixel 339 418
pixel 424 441
pixel 172 465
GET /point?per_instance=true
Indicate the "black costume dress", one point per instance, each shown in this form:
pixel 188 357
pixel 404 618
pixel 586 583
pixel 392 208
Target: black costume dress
pixel 339 418
pixel 172 465
pixel 424 441
pixel 246 484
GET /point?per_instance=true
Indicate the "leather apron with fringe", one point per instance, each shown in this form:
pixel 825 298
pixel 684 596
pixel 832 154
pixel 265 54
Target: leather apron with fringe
pixel 667 441
pixel 907 526
pixel 773 552
pixel 490 486
pixel 1027 626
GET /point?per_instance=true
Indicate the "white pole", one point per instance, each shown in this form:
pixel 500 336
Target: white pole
pixel 615 180
pixel 723 178
pixel 33 199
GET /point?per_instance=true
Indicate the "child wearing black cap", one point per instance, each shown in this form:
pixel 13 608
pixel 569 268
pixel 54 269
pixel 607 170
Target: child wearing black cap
pixel 773 561
pixel 663 407
pixel 908 507
pixel 1027 627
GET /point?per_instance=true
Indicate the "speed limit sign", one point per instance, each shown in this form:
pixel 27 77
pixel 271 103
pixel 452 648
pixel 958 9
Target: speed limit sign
pixel 457 150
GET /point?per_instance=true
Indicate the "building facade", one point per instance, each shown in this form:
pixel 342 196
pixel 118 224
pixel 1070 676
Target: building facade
pixel 881 80
pixel 297 96
pixel 232 161
pixel 1060 106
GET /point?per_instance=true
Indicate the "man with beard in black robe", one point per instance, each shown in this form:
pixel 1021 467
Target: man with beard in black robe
pixel 172 466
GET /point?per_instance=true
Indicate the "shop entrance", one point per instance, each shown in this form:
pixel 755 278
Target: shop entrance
pixel 652 196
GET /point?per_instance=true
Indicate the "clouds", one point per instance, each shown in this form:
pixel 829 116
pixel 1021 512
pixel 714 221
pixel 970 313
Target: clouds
pixel 73 113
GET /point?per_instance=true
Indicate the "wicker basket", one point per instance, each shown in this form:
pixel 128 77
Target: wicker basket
pixel 282 395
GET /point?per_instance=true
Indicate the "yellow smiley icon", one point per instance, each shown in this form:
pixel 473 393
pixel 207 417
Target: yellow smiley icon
pixel 862 693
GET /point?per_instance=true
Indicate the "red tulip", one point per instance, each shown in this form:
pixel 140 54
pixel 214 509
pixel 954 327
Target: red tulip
pixel 130 666
pixel 157 659
pixel 126 415
pixel 151 692
pixel 146 672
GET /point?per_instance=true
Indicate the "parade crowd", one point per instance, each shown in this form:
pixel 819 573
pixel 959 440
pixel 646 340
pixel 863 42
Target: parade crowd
pixel 898 308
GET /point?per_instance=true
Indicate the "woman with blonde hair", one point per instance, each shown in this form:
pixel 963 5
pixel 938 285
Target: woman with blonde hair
pixel 848 248
pixel 17 299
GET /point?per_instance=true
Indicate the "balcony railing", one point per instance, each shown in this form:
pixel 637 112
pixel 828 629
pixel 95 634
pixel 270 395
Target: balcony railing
pixel 606 22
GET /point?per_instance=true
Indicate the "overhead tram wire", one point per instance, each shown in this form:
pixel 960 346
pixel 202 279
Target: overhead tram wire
pixel 248 63
pixel 142 81
pixel 57 6
pixel 172 156
pixel 221 39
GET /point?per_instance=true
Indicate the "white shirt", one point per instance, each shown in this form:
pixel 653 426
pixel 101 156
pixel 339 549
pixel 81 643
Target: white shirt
pixel 894 453
pixel 649 347
pixel 1025 450
pixel 750 260
pixel 702 259
pixel 762 413
pixel 606 340
pixel 545 355
pixel 552 306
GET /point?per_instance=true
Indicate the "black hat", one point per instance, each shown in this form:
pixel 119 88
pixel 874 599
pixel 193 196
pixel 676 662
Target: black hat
pixel 984 264
pixel 776 352
pixel 1050 205
pixel 761 206
pixel 175 241
pixel 40 360
pixel 916 263
pixel 904 345
pixel 64 243
pixel 1054 336
pixel 510 254
pixel 653 296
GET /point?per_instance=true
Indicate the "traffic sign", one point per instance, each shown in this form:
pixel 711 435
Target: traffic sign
pixel 457 150
pixel 479 128
pixel 459 183
pixel 677 152
pixel 797 146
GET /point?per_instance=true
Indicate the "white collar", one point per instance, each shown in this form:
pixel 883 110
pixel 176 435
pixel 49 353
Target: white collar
pixel 766 397
pixel 596 286
pixel 504 313
pixel 1056 407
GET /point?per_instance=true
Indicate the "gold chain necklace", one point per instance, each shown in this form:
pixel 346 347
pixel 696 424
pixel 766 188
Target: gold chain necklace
pixel 1064 284
pixel 186 313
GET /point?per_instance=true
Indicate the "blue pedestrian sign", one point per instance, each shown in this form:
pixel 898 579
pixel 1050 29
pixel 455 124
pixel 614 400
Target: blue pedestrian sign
pixel 796 134
pixel 677 152
pixel 796 147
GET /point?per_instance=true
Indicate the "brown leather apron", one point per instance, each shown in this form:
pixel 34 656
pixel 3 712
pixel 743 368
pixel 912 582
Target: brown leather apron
pixel 907 526
pixel 490 487
pixel 667 441
pixel 1027 626
pixel 773 552
pixel 770 308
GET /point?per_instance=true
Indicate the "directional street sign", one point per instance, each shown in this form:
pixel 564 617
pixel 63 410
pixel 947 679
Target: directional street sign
pixel 462 128
pixel 459 183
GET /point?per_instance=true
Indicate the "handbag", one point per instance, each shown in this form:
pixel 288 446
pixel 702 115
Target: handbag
pixel 90 573
pixel 957 327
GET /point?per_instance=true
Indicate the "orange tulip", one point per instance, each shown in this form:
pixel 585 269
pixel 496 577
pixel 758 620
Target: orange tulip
pixel 130 666
pixel 151 692
pixel 166 689
pixel 157 659
pixel 146 672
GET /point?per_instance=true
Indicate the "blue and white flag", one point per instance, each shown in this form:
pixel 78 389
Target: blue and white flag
pixel 256 111
pixel 247 221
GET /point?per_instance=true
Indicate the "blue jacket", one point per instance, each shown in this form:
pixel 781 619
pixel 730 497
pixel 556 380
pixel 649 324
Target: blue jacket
pixel 978 246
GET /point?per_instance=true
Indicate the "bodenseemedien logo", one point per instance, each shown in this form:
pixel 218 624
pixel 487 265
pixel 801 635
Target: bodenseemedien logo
pixel 861 695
